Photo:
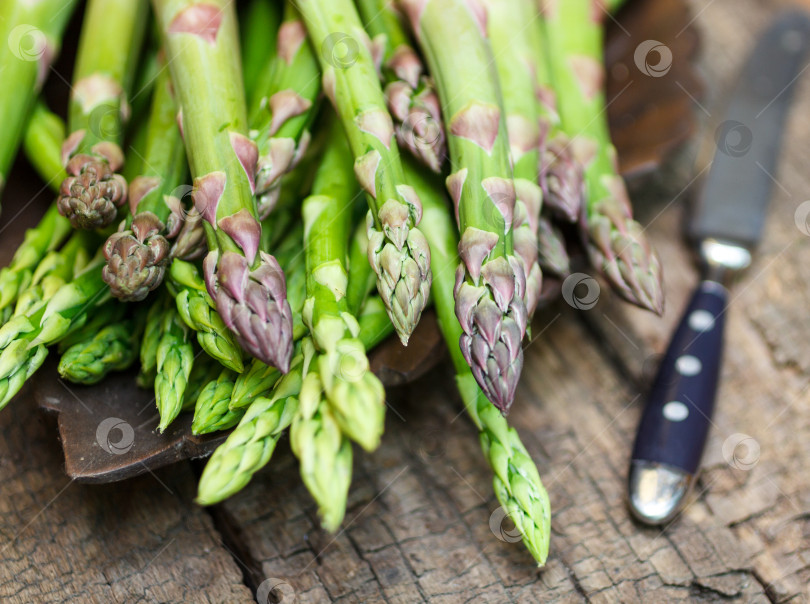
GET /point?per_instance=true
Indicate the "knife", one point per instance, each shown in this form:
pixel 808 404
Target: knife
pixel 725 227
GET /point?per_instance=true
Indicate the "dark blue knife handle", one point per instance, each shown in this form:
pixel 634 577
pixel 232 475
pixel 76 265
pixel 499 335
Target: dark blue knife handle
pixel 677 418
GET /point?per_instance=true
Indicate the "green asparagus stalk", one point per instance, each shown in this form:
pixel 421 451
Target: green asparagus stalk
pixel 112 348
pixel 411 97
pixel 258 28
pixel 516 482
pixel 361 276
pixel 198 312
pixel 397 249
pixel 247 285
pixel 31 32
pixel 56 268
pixel 249 447
pixel 283 114
pixel 105 314
pixel 616 244
pixel 24 339
pixel 202 370
pixel 211 413
pixel 137 254
pixel 175 357
pixel 509 30
pixel 110 44
pixel 613 6
pixel 152 332
pixel 490 281
pixel 324 452
pixel 42 144
pixel 356 397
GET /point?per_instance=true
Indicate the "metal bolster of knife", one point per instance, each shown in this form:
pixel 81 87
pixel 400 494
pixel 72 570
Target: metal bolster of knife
pixel 721 260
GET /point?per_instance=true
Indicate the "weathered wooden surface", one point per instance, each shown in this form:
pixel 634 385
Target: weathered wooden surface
pixel 418 526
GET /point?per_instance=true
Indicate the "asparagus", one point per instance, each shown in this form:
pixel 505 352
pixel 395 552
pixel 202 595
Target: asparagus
pixel 516 482
pixel 31 32
pixel 616 244
pixel 42 144
pixel 249 447
pixel 355 396
pixel 324 452
pixel 282 115
pixel 137 254
pixel 509 30
pixel 112 348
pixel 197 311
pixel 151 340
pixel 56 268
pixel 247 285
pixel 551 251
pixel 490 281
pixel 110 44
pixel 174 359
pixel 361 276
pixel 211 412
pixel 105 314
pixel 397 250
pixel 24 339
pixel 410 94
pixel 258 28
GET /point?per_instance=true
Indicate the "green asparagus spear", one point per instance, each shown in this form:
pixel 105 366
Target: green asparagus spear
pixel 197 310
pixel 110 44
pixel 283 113
pixel 247 285
pixel 175 357
pixel 31 33
pixel 490 281
pixel 410 94
pixel 516 483
pixel 211 413
pixel 137 254
pixel 616 244
pixel 397 249
pixel 42 144
pixel 258 28
pixel 112 348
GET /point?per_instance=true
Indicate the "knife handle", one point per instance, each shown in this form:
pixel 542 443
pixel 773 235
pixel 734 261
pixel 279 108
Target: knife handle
pixel 677 418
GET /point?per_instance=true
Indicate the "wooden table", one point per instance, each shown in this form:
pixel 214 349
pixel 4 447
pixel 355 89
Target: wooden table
pixel 418 525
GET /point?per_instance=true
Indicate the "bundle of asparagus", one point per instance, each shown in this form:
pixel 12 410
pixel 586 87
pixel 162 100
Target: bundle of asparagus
pixel 270 331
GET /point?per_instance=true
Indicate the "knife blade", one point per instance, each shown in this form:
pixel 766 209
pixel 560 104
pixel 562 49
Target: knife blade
pixel 726 225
